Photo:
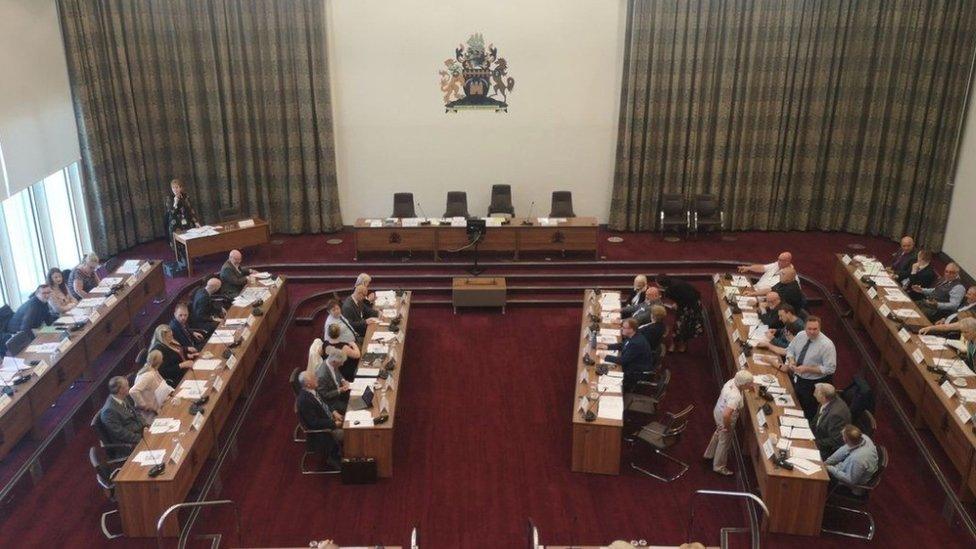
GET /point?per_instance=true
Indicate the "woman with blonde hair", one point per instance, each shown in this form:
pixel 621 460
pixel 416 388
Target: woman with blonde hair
pixel 84 277
pixel 149 387
pixel 176 360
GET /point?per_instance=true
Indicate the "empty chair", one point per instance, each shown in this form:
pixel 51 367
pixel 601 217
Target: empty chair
pixel 673 212
pixel 648 395
pixel 501 201
pixel 866 423
pixel 457 204
pixel 708 213
pixel 105 471
pixel 19 341
pixel 562 204
pixel 845 501
pixel 403 205
pixel 298 433
pixel 663 435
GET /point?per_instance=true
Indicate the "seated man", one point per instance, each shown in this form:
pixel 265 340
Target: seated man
pixel 770 272
pixel 855 462
pixel 654 331
pixel 628 307
pixel 780 339
pixel 315 415
pixel 356 310
pixel 205 313
pixel 945 296
pixel 33 313
pixel 966 310
pixel 830 420
pixel 184 334
pixel 234 276
pixel 902 260
pixel 332 388
pixel 634 357
pixel 346 332
pixel 652 297
pixel 119 416
pixel 789 290
pixel 769 311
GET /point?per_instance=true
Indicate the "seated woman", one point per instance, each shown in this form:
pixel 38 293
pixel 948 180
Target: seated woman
pixel 149 387
pixel 83 278
pixel 923 274
pixel 175 358
pixel 349 349
pixel 61 300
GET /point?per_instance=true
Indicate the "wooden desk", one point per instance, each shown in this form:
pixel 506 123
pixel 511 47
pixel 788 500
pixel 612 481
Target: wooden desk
pixel 933 408
pixel 478 292
pixel 795 500
pixel 576 234
pixel 596 444
pixel 377 441
pixel 142 499
pixel 55 372
pixel 230 236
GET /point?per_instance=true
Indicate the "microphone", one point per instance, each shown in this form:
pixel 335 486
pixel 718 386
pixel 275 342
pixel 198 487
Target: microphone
pixel 160 465
pixel 426 220
pixel 528 220
pixel 197 405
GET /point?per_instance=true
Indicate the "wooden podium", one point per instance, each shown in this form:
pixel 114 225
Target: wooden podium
pixel 478 292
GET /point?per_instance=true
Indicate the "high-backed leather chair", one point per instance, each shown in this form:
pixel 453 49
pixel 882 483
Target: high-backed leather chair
pixel 457 204
pixel 673 213
pixel 562 204
pixel 501 201
pixel 707 213
pixel 403 205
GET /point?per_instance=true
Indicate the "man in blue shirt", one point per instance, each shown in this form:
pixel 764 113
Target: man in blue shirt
pixel 811 358
pixel 855 462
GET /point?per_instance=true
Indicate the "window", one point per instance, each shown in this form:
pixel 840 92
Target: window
pixel 60 213
pixel 22 239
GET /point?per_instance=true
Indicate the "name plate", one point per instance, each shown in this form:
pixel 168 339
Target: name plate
pixel 858 273
pixel 95 315
pixel 768 448
pixel 231 362
pixel 246 334
pixel 197 422
pixel 918 356
pixel 218 384
pixel 245 223
pixel 846 259
pixel 250 320
pixel 144 268
pixel 4 401
pixel 963 414
pixel 872 293
pixel 41 368
pixel 177 454
pixel 904 336
pixel 131 281
pixel 884 310
pixel 948 389
pixel 742 360
pixel 761 418
pixel 111 300
pixel 279 281
pixel 64 346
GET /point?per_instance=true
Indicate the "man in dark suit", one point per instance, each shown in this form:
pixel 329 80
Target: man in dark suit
pixel 185 335
pixel 119 416
pixel 640 286
pixel 902 260
pixel 32 313
pixel 356 310
pixel 769 311
pixel 830 419
pixel 789 290
pixel 634 357
pixel 205 313
pixel 642 313
pixel 332 387
pixel 315 415
pixel 234 276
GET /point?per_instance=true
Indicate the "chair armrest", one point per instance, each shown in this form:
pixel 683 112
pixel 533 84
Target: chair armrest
pixel 114 473
pixel 116 460
pixel 648 429
pixel 313 431
pixel 111 445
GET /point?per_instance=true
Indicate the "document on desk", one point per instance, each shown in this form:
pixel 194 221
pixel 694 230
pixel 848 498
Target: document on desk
pixel 493 221
pixel 740 281
pixel 162 392
pixel 935 343
pixel 896 295
pixel 198 232
pixel 223 339
pixel 150 457
pixel 609 317
pixel 784 400
pixel 42 348
pixel 810 454
pixel 358 419
pixel 766 380
pixel 205 364
pixel 798 433
pixel 359 385
pixel 606 340
pixel 795 412
pixel 100 289
pixel 164 425
pixel 750 319
pixel 610 384
pixel 235 322
pixel 91 302
pixel 368 372
pixel 610 300
pixel 388 314
pixel 382 337
pixel 612 332
pixel 906 313
pixel 192 388
pixel 611 407
pixel 377 348
pixel 130 266
pixel 805 466
pixel 792 421
pixel 458 222
pixel 884 281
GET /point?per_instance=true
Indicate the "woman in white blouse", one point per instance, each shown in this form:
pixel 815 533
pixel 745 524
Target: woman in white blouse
pixel 61 300
pixel 148 385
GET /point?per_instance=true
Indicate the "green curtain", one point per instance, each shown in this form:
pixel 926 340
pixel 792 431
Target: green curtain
pixel 231 96
pixel 799 115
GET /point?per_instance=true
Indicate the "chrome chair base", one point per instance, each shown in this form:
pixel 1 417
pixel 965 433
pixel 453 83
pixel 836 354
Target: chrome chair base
pixel 870 522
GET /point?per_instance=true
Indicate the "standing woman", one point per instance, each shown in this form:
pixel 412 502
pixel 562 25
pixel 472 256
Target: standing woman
pixel 180 215
pixel 349 349
pixel 147 383
pixel 176 360
pixel 689 323
pixel 60 301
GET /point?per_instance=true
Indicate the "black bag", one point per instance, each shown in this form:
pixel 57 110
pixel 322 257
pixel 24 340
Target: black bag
pixel 859 397
pixel 359 470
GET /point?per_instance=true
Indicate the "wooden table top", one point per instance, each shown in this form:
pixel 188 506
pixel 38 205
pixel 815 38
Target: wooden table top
pixel 383 387
pixel 591 305
pixel 515 222
pixel 912 343
pixel 753 402
pixel 47 361
pixel 178 408
pixel 224 228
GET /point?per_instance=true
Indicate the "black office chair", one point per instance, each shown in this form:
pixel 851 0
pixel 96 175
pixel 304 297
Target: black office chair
pixel 647 396
pixel 19 341
pixel 298 434
pixel 663 435
pixel 457 204
pixel 232 213
pixel 708 213
pixel 105 472
pixel 110 266
pixel 562 204
pixel 115 450
pixel 501 201
pixel 673 213
pixel 5 315
pixel 403 205
pixel 315 444
pixel 842 498
pixel 867 423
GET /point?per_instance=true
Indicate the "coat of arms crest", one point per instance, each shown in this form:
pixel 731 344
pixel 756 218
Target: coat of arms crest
pixel 476 77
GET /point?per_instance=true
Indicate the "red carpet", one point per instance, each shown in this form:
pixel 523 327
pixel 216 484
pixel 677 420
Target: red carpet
pixel 483 438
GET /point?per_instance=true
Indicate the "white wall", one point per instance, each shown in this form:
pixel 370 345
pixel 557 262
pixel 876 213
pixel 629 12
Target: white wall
pixel 392 133
pixel 38 134
pixel 960 240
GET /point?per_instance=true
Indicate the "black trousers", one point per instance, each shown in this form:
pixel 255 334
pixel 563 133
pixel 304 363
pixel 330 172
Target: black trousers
pixel 804 394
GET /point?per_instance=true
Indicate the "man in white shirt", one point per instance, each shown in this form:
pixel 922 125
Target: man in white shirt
pixel 769 272
pixel 966 310
pixel 730 401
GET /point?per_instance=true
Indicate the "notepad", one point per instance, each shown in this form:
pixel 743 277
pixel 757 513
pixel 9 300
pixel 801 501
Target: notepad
pixel 611 407
pixel 164 425
pixel 359 419
pixel 149 457
pixel 207 364
pixel 810 454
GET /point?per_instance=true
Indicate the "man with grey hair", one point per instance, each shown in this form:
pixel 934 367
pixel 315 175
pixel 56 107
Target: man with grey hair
pixel 357 311
pixel 205 313
pixel 770 272
pixel 832 415
pixel 726 412
pixel 945 296
pixel 118 416
pixel 902 260
pixel 315 415
pixel 233 275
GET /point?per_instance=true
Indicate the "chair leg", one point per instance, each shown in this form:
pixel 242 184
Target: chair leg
pixel 105 530
pixel 870 519
pixel 307 471
pixel 683 470
pixel 297 435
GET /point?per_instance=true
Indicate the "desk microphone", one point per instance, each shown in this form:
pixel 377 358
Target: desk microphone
pixel 160 465
pixel 528 220
pixel 426 220
pixel 196 407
